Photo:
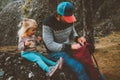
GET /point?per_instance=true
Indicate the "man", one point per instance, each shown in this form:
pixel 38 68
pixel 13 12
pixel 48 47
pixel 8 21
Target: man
pixel 57 30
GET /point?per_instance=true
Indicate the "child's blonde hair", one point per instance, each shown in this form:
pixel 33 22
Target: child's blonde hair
pixel 25 25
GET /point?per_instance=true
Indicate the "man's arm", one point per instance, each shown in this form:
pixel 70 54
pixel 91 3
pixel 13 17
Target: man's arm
pixel 48 39
pixel 77 38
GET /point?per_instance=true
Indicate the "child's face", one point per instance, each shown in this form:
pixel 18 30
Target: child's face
pixel 31 31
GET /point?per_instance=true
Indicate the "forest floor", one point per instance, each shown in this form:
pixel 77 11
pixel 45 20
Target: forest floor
pixel 107 54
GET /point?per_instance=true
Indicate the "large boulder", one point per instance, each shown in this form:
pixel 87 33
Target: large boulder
pixel 11 15
pixel 9 18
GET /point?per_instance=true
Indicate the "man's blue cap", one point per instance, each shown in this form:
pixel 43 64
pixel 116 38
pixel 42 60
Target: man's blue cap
pixel 66 9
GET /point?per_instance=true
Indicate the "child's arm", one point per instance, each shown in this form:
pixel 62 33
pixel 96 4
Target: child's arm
pixel 38 39
pixel 23 44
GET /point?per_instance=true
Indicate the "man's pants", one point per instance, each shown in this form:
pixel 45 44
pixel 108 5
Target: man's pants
pixel 76 66
pixel 83 56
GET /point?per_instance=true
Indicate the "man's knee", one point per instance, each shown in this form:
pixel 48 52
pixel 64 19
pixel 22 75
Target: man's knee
pixel 64 54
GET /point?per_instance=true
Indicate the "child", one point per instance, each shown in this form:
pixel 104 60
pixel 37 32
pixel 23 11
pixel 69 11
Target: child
pixel 28 43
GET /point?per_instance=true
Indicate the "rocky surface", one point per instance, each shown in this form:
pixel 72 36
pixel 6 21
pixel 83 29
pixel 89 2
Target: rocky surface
pixel 14 67
pixel 11 15
pixel 9 18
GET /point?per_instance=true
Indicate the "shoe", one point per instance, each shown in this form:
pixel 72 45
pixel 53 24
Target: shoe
pixel 52 70
pixel 60 62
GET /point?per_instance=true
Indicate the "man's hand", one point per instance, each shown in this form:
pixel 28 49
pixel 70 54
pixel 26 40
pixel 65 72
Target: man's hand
pixel 75 46
pixel 81 40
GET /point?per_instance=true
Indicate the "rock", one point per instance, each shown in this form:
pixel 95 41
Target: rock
pixel 13 67
pixel 10 78
pixel 1 73
pixel 30 75
pixel 11 15
pixel 9 19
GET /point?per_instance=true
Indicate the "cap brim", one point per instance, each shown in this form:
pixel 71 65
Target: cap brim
pixel 69 19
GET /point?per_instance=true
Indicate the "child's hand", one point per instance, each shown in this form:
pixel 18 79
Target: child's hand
pixel 27 43
pixel 39 38
pixel 75 46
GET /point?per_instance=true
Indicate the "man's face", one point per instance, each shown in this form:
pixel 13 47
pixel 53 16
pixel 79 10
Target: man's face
pixel 62 19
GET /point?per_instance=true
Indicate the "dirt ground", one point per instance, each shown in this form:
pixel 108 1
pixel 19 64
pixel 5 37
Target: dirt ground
pixel 107 54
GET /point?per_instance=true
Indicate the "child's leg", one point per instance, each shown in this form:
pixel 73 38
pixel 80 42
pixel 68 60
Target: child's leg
pixel 32 56
pixel 46 60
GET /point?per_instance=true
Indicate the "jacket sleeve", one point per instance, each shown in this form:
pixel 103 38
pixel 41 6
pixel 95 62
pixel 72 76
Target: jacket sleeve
pixel 75 35
pixel 21 45
pixel 48 39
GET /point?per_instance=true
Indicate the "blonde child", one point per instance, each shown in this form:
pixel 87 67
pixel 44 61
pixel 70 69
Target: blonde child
pixel 27 45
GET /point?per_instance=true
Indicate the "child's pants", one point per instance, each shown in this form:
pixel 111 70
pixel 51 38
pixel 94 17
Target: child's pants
pixel 83 55
pixel 39 59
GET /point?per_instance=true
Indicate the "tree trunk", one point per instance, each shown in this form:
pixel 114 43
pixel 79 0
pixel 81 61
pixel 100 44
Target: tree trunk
pixel 87 23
